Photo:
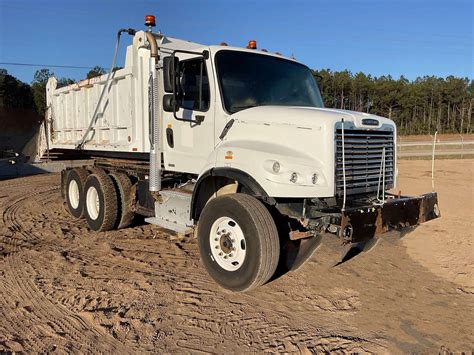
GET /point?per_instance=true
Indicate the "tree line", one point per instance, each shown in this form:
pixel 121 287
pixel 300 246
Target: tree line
pixel 16 94
pixel 422 106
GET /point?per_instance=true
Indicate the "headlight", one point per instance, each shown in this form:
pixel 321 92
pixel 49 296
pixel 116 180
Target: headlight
pixel 276 167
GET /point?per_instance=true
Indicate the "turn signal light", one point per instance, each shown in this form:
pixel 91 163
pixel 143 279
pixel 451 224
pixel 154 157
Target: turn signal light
pixel 252 44
pixel 150 21
pixel 294 178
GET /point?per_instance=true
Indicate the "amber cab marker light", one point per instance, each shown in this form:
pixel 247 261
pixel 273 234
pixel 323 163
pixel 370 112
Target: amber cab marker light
pixel 150 21
pixel 252 44
pixel 223 44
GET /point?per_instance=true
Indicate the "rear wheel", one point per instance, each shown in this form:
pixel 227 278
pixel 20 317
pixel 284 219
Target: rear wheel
pixel 126 197
pixel 238 242
pixel 76 179
pixel 100 202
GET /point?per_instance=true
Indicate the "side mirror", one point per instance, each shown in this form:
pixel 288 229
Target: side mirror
pixel 172 100
pixel 169 72
pixel 169 103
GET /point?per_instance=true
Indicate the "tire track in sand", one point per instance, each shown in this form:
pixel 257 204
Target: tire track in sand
pixel 194 309
pixel 40 324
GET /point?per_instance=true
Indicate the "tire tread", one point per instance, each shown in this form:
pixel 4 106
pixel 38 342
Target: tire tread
pixel 110 200
pixel 82 175
pixel 270 243
pixel 125 199
pixel 267 234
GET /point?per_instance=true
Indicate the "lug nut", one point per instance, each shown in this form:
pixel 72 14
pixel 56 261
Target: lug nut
pixel 217 247
pixel 233 240
pixel 220 254
pixel 225 256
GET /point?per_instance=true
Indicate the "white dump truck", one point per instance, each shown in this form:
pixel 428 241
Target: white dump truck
pixel 231 144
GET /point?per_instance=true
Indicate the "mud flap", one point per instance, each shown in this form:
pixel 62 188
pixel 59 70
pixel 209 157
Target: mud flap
pixel 362 223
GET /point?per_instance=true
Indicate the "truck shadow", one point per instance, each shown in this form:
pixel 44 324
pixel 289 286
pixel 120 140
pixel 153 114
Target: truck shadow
pixel 11 168
pixel 295 253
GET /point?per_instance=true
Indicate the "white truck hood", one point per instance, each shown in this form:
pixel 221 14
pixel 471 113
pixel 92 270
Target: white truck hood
pixel 305 116
pixel 300 139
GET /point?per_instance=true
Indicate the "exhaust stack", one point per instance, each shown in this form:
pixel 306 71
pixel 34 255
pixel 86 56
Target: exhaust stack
pixel 154 180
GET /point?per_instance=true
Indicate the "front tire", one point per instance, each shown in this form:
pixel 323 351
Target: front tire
pixel 101 208
pixel 238 242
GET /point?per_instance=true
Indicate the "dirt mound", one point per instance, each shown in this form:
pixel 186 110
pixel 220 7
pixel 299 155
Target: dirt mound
pixel 16 120
pixel 18 130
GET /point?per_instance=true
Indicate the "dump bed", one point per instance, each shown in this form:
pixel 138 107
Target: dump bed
pixel 123 116
pixel 123 120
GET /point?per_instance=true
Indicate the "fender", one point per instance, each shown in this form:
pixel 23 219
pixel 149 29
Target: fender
pixel 206 186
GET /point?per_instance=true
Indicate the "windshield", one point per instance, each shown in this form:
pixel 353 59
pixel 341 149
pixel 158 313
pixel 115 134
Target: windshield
pixel 251 79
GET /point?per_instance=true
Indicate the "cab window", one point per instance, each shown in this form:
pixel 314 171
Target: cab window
pixel 194 93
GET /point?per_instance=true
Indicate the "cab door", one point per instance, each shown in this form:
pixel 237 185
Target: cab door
pixel 188 144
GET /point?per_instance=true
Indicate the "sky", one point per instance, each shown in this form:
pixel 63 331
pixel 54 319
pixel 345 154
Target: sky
pixel 378 37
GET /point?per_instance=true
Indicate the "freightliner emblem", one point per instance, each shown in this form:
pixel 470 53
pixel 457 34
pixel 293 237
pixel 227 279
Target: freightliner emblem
pixel 370 122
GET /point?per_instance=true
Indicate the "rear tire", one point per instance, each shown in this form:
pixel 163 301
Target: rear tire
pixel 100 202
pixel 126 197
pixel 238 242
pixel 74 191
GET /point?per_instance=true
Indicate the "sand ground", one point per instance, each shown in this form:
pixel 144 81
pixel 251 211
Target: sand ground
pixel 66 289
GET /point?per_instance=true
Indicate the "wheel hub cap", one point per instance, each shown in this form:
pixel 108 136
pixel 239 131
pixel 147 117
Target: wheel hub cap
pixel 226 243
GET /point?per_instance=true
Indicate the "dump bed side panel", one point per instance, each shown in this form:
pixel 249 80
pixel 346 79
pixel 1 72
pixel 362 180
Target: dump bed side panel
pixel 122 124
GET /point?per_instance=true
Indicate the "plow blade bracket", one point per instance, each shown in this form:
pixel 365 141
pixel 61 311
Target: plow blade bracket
pixel 362 223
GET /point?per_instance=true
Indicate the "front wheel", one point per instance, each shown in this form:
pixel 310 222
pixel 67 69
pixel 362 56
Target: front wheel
pixel 238 242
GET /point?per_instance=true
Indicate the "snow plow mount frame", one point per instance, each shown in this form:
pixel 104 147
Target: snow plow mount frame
pixel 360 224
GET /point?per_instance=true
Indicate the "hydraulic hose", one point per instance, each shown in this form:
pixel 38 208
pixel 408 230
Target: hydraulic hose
pixel 131 32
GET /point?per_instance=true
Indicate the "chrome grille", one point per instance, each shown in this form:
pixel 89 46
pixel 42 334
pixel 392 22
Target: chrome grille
pixel 363 155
